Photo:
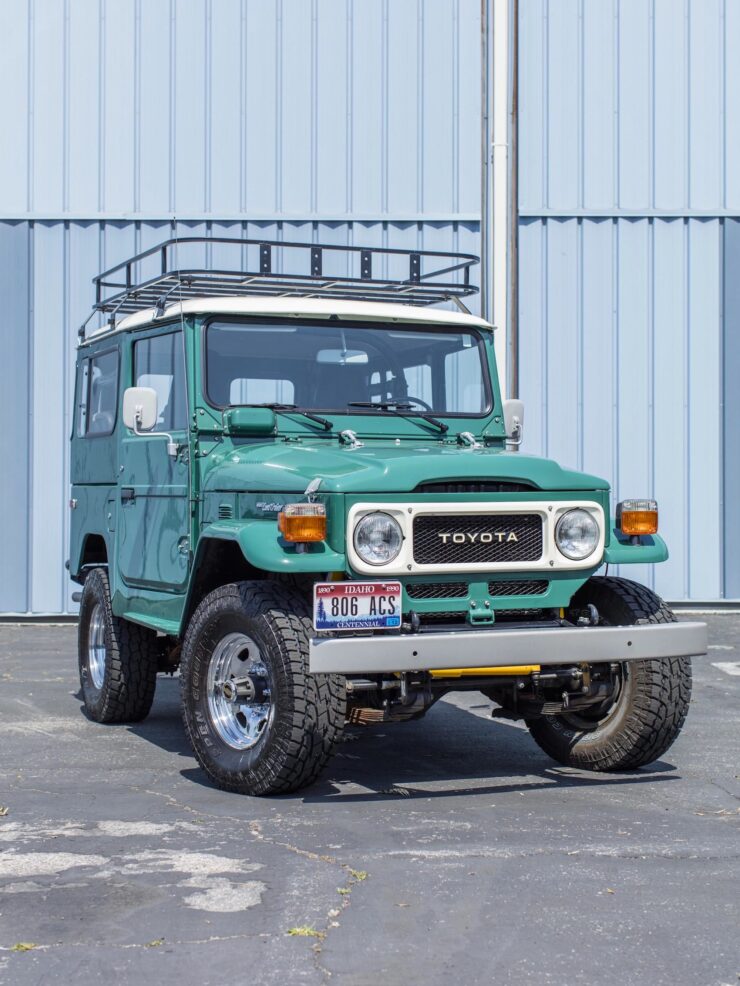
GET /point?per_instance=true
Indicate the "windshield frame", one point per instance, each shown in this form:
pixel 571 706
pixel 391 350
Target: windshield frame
pixel 281 320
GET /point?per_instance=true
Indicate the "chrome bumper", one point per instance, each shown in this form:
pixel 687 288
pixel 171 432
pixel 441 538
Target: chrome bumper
pixel 500 648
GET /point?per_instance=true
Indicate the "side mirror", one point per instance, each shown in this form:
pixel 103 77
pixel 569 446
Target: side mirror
pixel 140 408
pixel 140 415
pixel 514 421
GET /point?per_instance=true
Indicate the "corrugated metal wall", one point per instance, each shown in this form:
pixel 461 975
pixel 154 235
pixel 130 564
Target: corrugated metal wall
pixel 629 169
pixel 365 118
pixel 333 109
pixel 240 117
pixel 629 107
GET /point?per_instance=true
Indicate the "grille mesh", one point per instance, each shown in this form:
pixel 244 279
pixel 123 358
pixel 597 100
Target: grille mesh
pixel 437 590
pixel 480 539
pixel 536 587
pixel 473 486
pixel 444 617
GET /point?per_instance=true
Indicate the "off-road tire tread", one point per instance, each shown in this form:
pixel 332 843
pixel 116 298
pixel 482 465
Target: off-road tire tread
pixel 319 708
pixel 131 660
pixel 662 692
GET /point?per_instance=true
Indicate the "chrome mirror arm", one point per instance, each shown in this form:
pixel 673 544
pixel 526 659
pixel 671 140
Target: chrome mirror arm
pixel 173 447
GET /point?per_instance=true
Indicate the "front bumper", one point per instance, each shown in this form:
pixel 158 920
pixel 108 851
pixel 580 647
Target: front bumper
pixel 501 648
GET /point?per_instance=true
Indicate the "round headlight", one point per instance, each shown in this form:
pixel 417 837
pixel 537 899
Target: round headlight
pixel 577 534
pixel 378 538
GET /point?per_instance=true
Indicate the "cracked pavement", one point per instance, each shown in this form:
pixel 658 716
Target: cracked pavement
pixel 445 848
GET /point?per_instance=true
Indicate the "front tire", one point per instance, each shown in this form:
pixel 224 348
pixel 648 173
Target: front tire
pixel 117 659
pixel 650 708
pixel 258 722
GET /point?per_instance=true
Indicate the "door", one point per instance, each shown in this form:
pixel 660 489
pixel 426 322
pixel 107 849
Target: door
pixel 154 507
pixel 93 464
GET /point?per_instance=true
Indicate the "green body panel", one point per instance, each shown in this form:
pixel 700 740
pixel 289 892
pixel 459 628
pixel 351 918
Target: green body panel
pixel 263 547
pixel 94 516
pixel 151 607
pixel 621 551
pixel 561 589
pixel 380 466
pixel 153 511
pixel 157 514
pixel 250 421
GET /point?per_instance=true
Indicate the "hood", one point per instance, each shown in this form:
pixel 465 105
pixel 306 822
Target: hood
pixel 380 468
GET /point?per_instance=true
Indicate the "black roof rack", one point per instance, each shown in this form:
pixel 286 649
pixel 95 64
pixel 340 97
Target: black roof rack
pixel 158 276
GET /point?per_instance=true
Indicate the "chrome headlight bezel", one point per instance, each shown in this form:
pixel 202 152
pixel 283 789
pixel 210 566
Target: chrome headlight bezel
pixel 587 520
pixel 396 534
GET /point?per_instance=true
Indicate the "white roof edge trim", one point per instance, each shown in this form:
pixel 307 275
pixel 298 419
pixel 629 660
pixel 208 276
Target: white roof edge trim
pixel 297 307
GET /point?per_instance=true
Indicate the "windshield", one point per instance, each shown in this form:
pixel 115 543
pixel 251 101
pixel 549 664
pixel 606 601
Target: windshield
pixel 330 366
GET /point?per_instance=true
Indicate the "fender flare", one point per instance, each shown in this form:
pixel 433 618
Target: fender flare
pixel 620 551
pixel 264 548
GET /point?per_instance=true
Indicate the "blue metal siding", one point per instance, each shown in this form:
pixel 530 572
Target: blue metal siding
pixel 15 339
pixel 731 408
pixel 629 106
pixel 629 149
pixel 228 108
pixel 621 370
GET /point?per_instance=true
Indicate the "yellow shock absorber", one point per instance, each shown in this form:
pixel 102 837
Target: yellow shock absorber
pixel 516 669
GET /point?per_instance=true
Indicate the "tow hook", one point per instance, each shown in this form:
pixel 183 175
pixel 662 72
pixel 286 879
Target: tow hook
pixel 413 624
pixel 590 618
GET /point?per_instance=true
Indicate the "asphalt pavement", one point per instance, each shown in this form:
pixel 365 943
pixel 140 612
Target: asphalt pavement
pixel 449 850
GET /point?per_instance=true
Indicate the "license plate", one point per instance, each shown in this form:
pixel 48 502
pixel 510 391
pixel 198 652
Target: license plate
pixel 357 605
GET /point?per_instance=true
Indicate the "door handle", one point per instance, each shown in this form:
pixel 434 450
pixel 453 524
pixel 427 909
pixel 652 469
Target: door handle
pixel 127 493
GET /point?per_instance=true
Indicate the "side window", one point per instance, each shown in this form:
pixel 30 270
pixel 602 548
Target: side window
pixel 159 363
pixel 83 375
pixel 101 387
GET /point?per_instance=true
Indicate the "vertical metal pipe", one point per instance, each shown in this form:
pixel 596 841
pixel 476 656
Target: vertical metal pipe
pixel 513 346
pixel 500 180
pixel 485 157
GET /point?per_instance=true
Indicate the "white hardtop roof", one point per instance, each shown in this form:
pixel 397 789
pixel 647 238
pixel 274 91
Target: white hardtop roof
pixel 297 307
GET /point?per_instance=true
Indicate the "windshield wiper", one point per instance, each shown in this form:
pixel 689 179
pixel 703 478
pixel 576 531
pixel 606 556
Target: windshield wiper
pixel 396 407
pixel 277 406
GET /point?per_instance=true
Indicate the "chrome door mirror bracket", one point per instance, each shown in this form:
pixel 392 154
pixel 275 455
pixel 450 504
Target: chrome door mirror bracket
pixel 514 421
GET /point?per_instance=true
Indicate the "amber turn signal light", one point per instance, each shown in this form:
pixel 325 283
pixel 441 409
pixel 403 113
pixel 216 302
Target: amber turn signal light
pixel 301 522
pixel 635 517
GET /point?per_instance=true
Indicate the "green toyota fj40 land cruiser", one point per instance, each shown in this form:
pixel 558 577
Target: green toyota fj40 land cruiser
pixel 303 491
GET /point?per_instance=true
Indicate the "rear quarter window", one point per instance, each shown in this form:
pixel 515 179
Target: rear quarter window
pixel 97 395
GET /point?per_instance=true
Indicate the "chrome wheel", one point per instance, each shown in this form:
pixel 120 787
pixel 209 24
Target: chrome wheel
pixel 96 646
pixel 239 701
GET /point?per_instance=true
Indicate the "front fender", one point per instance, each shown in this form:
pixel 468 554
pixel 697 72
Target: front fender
pixel 651 549
pixel 264 547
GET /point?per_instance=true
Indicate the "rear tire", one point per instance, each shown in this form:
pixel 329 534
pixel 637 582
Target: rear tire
pixel 280 740
pixel 650 709
pixel 117 659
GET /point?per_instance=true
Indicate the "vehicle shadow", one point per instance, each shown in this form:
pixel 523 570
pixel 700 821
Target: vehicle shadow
pixel 162 727
pixel 451 752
